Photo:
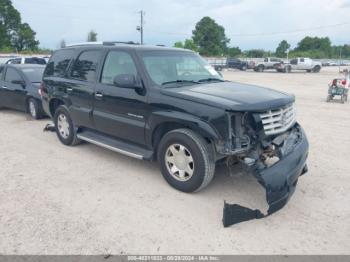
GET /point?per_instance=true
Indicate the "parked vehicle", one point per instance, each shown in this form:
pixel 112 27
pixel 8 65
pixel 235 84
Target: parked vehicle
pixel 338 88
pixel 19 85
pixel 27 60
pixel 237 64
pixel 268 63
pixel 228 63
pixel 166 104
pixel 300 63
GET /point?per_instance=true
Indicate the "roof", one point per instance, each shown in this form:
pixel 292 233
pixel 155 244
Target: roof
pixel 126 45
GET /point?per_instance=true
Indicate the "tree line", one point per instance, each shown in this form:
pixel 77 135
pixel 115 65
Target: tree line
pixel 209 39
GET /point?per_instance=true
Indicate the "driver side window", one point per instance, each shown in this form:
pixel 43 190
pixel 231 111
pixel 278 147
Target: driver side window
pixel 117 63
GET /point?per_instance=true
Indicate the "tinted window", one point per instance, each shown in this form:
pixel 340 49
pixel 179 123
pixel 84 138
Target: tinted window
pixel 35 60
pixel 117 63
pixel 294 61
pixel 85 66
pixel 58 63
pixel 34 75
pixel 12 74
pixel 14 61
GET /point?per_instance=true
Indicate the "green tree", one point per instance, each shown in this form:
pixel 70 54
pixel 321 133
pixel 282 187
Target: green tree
pixel 189 44
pixel 234 51
pixel 92 36
pixel 24 38
pixel 210 37
pixel 179 44
pixel 14 34
pixel 320 44
pixel 281 50
pixel 256 53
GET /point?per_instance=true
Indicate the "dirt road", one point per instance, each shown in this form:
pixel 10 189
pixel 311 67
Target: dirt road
pixel 87 200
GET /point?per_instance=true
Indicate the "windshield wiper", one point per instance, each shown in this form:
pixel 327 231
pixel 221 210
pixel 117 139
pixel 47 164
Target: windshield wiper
pixel 210 79
pixel 181 81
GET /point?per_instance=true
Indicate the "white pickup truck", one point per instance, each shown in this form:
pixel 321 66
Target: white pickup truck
pixel 267 63
pixel 300 63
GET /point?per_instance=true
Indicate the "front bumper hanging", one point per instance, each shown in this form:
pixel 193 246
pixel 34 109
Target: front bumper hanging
pixel 279 181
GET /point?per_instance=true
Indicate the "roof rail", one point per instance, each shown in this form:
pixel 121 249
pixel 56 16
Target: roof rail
pixel 85 43
pixel 119 42
pixel 102 43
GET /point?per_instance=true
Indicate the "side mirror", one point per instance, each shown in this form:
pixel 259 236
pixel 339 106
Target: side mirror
pixel 126 81
pixel 19 82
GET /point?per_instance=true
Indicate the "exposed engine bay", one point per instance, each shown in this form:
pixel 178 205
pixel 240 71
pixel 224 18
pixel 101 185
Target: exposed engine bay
pixel 276 160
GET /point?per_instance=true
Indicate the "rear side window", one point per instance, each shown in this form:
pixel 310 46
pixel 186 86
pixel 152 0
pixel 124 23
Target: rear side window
pixel 58 63
pixel 11 75
pixel 85 66
pixel 35 60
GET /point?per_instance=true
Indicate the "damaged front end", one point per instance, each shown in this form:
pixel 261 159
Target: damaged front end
pixel 273 148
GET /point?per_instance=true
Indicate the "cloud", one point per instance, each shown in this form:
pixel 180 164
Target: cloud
pixel 168 21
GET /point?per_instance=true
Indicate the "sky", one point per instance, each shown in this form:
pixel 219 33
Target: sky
pixel 259 24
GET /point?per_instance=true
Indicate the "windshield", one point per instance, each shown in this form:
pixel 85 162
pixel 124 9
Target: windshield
pixel 180 68
pixel 34 75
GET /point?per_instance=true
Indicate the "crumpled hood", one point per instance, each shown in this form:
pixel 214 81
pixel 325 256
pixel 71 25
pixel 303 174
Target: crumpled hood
pixel 232 96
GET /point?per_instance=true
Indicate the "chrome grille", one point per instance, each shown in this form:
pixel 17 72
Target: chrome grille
pixel 278 120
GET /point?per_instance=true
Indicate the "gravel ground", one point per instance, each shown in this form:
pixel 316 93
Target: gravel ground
pixel 87 200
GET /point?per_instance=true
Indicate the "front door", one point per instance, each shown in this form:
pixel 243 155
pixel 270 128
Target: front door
pixel 120 112
pixel 15 93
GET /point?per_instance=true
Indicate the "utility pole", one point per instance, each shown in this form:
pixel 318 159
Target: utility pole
pixel 140 27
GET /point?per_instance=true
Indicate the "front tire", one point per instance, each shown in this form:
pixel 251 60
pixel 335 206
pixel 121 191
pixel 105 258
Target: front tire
pixel 186 160
pixel 65 129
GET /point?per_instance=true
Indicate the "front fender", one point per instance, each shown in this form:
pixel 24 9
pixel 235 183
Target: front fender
pixel 160 117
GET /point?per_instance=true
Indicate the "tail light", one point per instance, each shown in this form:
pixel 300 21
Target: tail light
pixel 42 89
pixel 343 82
pixel 334 83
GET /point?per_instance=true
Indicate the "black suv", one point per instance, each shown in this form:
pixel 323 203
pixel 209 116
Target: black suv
pixel 169 105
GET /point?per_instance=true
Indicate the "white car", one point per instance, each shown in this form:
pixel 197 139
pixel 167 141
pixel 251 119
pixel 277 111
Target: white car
pixel 27 60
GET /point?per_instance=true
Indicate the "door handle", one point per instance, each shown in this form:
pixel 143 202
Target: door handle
pixel 5 87
pixel 98 95
pixel 69 89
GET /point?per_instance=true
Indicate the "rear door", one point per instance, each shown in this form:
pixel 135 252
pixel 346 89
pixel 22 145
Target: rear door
pixel 119 112
pixel 15 93
pixel 81 86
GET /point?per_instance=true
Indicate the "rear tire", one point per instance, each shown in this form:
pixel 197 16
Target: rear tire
pixel 34 109
pixel 65 129
pixel 186 160
pixel 260 68
pixel 316 69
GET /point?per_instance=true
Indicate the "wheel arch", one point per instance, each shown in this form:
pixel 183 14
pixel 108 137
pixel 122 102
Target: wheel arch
pixel 54 104
pixel 162 124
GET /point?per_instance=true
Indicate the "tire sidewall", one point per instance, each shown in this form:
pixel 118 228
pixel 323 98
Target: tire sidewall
pixel 36 107
pixel 69 140
pixel 197 178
